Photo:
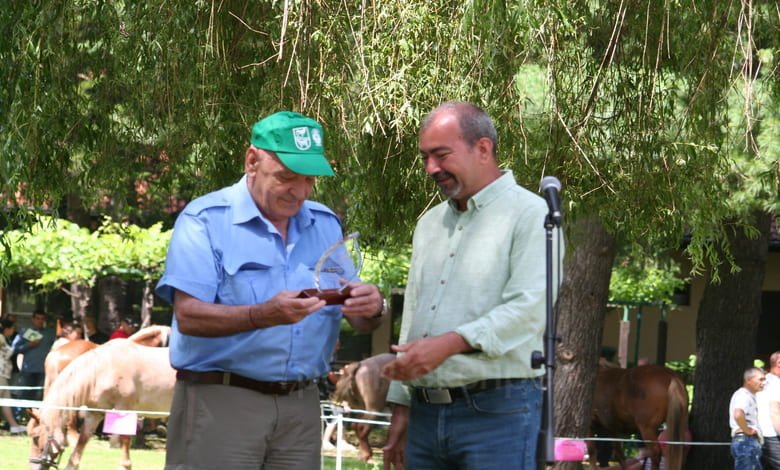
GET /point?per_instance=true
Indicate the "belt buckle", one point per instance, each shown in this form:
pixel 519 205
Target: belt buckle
pixel 437 396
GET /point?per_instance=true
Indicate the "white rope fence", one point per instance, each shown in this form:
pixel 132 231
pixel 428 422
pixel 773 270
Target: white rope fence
pixel 19 403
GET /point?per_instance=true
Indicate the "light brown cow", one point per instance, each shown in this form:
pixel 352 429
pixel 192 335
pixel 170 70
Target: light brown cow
pixel 119 374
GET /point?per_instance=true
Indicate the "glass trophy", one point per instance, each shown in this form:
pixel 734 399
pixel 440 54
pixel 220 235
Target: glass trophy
pixel 338 265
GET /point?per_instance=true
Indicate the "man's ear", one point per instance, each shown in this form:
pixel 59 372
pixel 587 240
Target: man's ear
pixel 251 160
pixel 485 148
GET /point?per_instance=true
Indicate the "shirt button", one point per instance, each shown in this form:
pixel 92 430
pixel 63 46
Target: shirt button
pixel 433 307
pixel 452 255
pixel 442 281
pixel 460 227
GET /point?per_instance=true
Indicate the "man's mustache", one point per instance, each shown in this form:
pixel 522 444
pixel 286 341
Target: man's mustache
pixel 441 175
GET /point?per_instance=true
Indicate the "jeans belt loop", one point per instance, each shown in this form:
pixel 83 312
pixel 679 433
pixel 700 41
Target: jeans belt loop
pixel 226 378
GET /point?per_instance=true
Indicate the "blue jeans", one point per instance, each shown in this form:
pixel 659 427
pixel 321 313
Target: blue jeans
pixel 746 452
pixel 770 453
pixel 492 429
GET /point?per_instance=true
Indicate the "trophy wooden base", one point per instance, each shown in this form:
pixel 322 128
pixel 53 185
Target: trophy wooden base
pixel 330 296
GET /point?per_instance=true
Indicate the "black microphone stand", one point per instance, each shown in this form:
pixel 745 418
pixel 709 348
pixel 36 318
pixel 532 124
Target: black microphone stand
pixel 546 446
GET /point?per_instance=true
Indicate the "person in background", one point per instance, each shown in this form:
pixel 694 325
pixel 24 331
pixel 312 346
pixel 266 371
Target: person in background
pixel 465 393
pixel 127 327
pixel 91 331
pixel 768 401
pixel 247 347
pixel 8 329
pixel 12 318
pixel 67 331
pixel 34 343
pixel 77 332
pixel 746 437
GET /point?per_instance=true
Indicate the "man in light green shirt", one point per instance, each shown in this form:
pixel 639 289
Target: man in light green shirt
pixel 464 391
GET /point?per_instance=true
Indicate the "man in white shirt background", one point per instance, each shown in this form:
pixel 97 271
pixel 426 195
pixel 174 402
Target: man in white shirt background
pixel 769 414
pixel 746 438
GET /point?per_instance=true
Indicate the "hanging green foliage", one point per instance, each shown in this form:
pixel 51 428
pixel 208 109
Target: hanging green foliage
pixel 134 108
pixel 647 282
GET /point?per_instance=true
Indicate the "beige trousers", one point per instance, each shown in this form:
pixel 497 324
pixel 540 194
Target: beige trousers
pixel 225 427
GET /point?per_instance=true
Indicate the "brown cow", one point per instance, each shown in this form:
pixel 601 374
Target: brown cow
pixel 639 400
pixel 362 386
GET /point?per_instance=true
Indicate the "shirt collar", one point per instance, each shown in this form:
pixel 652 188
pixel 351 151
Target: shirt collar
pixel 489 193
pixel 245 209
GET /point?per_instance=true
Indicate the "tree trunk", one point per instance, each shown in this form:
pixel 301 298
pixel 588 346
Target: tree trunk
pixel 111 307
pixel 80 300
pixel 725 343
pixel 581 309
pixel 147 302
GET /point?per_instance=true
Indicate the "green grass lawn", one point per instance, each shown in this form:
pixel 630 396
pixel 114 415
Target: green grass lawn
pixel 15 450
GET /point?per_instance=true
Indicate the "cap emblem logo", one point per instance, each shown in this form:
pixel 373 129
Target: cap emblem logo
pixel 302 138
pixel 316 137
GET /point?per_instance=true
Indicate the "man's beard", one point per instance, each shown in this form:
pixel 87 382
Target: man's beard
pixel 449 191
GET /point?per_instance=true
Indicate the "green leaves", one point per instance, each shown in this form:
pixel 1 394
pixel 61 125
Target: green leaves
pixel 55 253
pixel 645 282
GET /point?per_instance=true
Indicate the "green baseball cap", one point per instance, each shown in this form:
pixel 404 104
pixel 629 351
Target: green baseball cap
pixel 296 140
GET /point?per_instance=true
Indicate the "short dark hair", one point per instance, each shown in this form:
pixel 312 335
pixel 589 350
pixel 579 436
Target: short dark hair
pixel 474 122
pixel 6 323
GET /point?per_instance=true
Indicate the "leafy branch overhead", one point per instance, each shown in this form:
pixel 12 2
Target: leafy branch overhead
pixel 643 110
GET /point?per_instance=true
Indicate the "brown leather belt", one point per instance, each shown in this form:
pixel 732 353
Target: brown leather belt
pixel 235 380
pixel 445 396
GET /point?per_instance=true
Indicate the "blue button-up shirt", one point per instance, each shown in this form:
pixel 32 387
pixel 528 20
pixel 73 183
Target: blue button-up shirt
pixel 224 251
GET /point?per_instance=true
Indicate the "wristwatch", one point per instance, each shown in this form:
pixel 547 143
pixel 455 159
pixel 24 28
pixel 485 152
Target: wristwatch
pixel 383 311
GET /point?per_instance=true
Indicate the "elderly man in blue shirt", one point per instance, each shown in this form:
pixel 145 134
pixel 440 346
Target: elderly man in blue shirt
pixel 246 346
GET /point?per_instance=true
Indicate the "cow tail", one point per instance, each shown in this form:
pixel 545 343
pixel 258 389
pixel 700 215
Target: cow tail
pixel 676 424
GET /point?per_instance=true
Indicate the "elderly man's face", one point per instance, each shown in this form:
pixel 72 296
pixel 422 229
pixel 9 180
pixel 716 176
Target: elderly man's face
pixel 278 192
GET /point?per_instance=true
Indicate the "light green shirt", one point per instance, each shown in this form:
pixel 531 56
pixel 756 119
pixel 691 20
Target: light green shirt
pixel 482 274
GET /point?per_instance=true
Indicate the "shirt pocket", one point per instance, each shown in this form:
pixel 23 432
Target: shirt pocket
pixel 248 281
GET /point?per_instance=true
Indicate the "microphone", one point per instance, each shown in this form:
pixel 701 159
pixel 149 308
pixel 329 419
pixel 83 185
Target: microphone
pixel 551 186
